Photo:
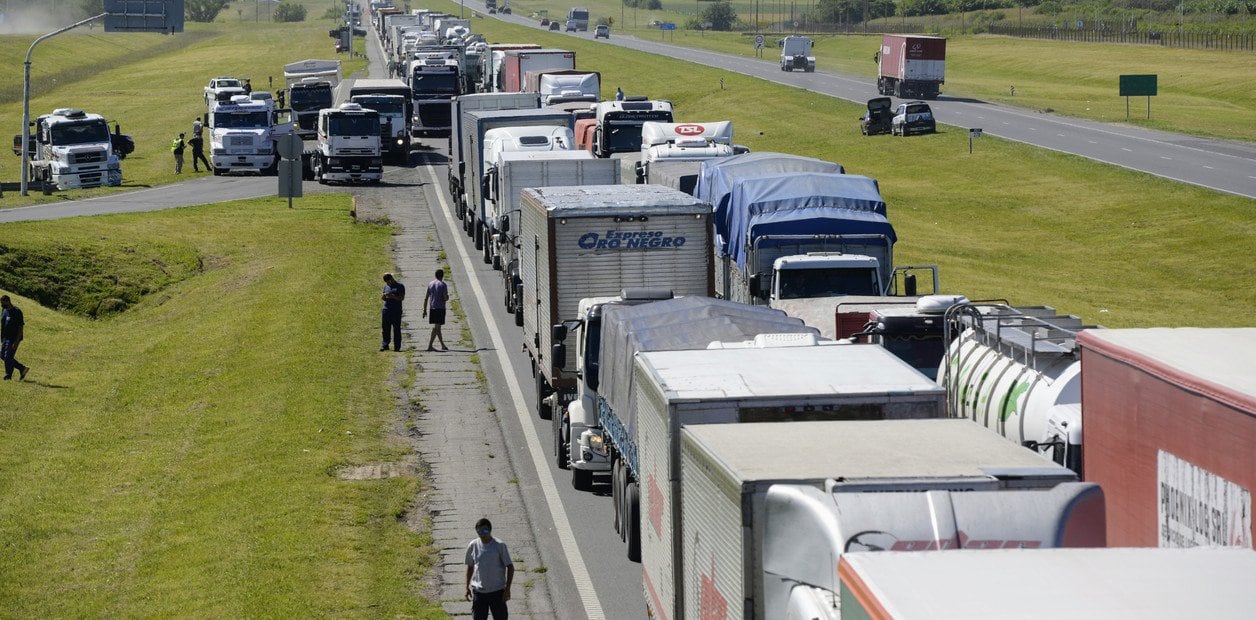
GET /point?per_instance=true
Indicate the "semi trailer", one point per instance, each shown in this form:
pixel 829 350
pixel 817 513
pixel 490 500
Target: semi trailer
pixel 517 64
pixel 911 66
pixel 476 101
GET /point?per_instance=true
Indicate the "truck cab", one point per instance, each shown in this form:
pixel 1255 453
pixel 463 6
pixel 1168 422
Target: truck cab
pixel 71 149
pixel 670 142
pixel 434 78
pixel 796 54
pixel 348 146
pixel 306 98
pixel 618 125
pixel 823 274
pixel 394 129
pixel 242 135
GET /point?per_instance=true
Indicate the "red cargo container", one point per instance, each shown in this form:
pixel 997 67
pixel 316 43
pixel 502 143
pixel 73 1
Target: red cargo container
pixel 1170 418
pixel 518 63
pixel 911 66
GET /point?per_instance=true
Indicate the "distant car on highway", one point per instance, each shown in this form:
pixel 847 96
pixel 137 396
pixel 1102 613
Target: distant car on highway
pixel 912 117
pixel 554 25
pixel 602 32
pixel 572 25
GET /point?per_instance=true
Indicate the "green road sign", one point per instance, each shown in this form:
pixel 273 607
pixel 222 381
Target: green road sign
pixel 1138 85
pixel 164 16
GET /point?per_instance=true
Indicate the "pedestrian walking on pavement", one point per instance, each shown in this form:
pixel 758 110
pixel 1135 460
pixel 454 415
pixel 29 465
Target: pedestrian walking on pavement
pixel 390 321
pixel 12 326
pixel 198 152
pixel 489 574
pixel 177 147
pixel 434 301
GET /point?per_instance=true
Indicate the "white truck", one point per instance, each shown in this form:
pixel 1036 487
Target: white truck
pixel 391 99
pixel 771 379
pixel 796 54
pixel 609 331
pixel 476 101
pixel 1203 582
pixel 1017 371
pixel 595 240
pixel 243 133
pixel 348 148
pixel 222 89
pixel 684 142
pixel 759 515
pixel 475 124
pixel 544 139
pixel 71 149
pixel 564 86
pixel 434 74
pixel 311 86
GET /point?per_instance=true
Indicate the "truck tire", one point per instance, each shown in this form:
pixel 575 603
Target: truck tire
pixel 542 390
pixel 582 479
pixel 632 514
pixel 497 261
pixel 615 476
pixel 561 457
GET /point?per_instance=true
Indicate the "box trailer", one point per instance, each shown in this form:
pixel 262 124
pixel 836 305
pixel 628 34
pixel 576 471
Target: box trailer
pixel 911 66
pixel 1051 583
pixel 595 240
pixel 753 493
pixel 1170 433
pixel 518 63
pixel 674 389
pixel 477 101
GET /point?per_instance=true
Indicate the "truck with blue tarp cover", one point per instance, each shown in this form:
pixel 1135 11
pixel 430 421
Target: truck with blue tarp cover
pixel 832 223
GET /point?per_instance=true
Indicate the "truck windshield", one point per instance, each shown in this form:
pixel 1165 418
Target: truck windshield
pixel 802 283
pixel 623 136
pixel 434 83
pixel 240 120
pixel 65 134
pixel 578 15
pixel 303 99
pixel 924 353
pixel 382 105
pixel 353 125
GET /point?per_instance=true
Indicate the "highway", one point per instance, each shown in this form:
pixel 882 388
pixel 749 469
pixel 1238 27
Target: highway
pixel 1220 165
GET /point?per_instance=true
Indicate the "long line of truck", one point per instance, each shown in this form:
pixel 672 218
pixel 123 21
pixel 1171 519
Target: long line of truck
pixel 728 345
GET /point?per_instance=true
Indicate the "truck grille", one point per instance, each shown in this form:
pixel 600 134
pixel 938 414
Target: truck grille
pixel 239 141
pixel 346 152
pixel 434 115
pixel 92 179
pixel 88 157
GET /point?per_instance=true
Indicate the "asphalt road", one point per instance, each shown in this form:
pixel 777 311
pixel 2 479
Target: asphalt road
pixel 1221 165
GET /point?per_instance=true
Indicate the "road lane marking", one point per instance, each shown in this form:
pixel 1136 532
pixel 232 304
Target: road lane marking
pixel 1127 150
pixel 566 536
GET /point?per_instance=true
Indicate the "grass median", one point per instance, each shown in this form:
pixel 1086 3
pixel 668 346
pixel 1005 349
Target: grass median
pixel 179 457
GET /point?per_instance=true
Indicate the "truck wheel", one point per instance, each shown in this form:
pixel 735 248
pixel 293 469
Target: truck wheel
pixel 632 503
pixel 542 390
pixel 581 479
pixel 497 261
pixel 562 439
pixel 615 476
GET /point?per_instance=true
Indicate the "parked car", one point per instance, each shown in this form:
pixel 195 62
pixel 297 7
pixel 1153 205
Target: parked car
pixel 912 117
pixel 554 25
pixel 602 32
pixel 877 119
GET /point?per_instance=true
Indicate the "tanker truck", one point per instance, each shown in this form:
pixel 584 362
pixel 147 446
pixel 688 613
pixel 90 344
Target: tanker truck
pixel 1016 371
pixel 763 513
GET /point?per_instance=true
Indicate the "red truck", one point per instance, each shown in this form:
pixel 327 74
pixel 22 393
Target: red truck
pixel 1170 427
pixel 518 63
pixel 911 66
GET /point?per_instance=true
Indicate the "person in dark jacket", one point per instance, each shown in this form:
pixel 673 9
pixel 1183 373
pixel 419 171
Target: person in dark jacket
pixel 12 325
pixel 390 318
pixel 198 152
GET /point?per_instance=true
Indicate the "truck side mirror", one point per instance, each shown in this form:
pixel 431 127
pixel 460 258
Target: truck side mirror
pixel 909 284
pixel 558 333
pixel 559 351
pixel 756 285
pixel 503 223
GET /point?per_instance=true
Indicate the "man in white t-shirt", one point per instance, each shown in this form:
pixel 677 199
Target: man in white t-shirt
pixel 489 574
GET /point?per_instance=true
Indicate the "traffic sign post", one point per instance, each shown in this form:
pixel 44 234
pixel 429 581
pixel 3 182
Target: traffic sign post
pixel 290 178
pixel 758 45
pixel 1138 86
pixel 973 134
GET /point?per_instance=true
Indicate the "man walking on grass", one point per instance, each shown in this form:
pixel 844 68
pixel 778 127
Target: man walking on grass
pixel 11 324
pixel 434 303
pixel 390 322
pixel 198 152
pixel 489 574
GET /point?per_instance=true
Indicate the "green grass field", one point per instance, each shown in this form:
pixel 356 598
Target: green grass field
pixel 1199 90
pixel 178 459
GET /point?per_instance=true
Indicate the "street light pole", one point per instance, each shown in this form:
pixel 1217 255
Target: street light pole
pixel 26 97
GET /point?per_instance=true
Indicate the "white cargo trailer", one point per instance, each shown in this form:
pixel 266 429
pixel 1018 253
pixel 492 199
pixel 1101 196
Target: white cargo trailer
pixel 477 101
pixel 906 484
pixel 673 389
pixel 596 240
pixel 1112 584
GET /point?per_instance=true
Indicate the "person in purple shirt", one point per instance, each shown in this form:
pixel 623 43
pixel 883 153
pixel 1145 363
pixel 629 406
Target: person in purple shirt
pixel 434 305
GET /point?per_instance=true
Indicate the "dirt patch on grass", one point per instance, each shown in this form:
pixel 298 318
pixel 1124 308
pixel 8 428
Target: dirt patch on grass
pixel 375 471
